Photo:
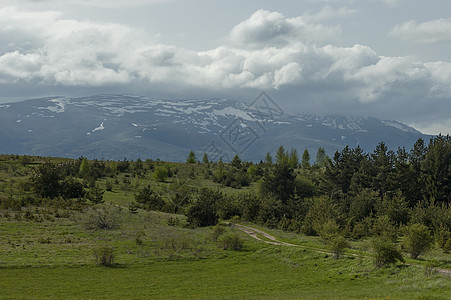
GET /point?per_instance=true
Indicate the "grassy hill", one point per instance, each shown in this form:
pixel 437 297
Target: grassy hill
pixel 51 248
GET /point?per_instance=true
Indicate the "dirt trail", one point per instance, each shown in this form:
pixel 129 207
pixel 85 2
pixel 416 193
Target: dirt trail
pixel 269 239
pixel 254 232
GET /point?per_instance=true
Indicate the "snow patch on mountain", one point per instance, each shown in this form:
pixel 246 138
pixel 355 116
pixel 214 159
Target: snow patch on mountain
pixel 60 105
pixel 398 126
pixel 100 128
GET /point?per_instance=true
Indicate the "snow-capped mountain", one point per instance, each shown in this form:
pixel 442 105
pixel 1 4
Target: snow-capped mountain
pixel 123 126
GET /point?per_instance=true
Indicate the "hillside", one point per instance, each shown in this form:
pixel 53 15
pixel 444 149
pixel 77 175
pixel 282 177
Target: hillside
pixel 117 126
pixel 53 246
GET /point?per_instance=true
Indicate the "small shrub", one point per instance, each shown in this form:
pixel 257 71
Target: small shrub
pixel 328 231
pixel 417 240
pixel 104 219
pixel 104 256
pixel 138 238
pixel 386 253
pixel 108 185
pixel 429 269
pixel 231 242
pixel 218 230
pixel 133 207
pixel 338 244
pixel 174 221
pixel 160 174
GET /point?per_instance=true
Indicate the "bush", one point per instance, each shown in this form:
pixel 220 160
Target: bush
pixel 149 199
pixel 338 244
pixel 104 219
pixel 386 253
pixel 104 256
pixel 231 241
pixel 160 174
pixel 328 231
pixel 218 230
pixel 417 240
pixel 203 212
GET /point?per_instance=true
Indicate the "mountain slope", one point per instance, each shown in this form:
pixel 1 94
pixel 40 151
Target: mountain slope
pixel 118 126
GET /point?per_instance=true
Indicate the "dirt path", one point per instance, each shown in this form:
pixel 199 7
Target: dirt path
pixel 269 239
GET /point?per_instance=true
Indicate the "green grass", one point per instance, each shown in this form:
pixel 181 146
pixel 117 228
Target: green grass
pixel 269 272
pixel 54 259
pixel 47 252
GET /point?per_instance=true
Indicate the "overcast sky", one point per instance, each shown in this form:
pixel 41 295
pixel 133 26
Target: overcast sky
pixel 389 59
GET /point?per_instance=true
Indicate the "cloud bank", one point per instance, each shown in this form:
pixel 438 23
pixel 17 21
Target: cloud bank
pixel 430 32
pixel 266 51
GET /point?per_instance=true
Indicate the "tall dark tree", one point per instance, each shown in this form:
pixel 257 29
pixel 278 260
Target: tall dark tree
pixel 305 163
pixel 268 159
pixel 437 169
pixel 321 158
pixel 236 162
pixel 203 212
pixel 293 159
pixel 279 181
pixel 341 169
pixel 46 180
pixel 383 161
pixel 281 155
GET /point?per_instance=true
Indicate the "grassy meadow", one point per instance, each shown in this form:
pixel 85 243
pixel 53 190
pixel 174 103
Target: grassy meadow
pixel 49 251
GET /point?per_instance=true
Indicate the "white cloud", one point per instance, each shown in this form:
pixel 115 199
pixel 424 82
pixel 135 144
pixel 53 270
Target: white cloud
pixel 265 28
pixel 434 31
pixel 328 12
pixel 102 3
pixel 266 51
pixel 391 2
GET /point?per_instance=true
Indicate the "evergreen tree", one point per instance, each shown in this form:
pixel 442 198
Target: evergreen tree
pixel 437 169
pixel 268 158
pixel 236 162
pixel 281 155
pixel 293 159
pixel 305 160
pixel 191 158
pixel 279 181
pixel 84 168
pixel 203 212
pixel 205 158
pixel 321 158
pixel 383 161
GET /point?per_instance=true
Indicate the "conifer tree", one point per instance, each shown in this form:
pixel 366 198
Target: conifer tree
pixel 205 158
pixel 268 158
pixel 191 158
pixel 305 160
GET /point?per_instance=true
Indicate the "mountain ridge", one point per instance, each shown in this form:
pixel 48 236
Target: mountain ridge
pixel 113 126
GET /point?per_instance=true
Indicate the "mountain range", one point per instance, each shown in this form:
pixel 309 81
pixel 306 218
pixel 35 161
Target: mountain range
pixel 115 127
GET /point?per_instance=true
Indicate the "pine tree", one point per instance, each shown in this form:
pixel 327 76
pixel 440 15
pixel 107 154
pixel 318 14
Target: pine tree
pixel 305 160
pixel 321 158
pixel 281 155
pixel 236 162
pixel 205 158
pixel 191 158
pixel 268 158
pixel 293 160
pixel 84 168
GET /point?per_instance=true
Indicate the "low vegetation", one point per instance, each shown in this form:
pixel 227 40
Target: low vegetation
pixel 363 225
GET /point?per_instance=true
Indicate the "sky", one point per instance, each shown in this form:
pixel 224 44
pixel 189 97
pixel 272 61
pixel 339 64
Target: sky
pixel 389 59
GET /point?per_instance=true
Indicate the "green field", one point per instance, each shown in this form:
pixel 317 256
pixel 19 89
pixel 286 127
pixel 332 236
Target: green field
pixel 47 250
pixel 154 260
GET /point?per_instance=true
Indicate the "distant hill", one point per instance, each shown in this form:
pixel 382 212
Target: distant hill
pixel 122 126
